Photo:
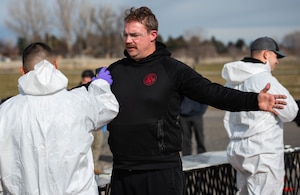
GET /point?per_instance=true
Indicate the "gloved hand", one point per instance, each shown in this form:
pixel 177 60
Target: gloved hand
pixel 105 75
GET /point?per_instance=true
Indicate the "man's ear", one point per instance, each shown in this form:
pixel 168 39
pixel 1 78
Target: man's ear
pixel 22 70
pixel 265 56
pixel 55 64
pixel 154 35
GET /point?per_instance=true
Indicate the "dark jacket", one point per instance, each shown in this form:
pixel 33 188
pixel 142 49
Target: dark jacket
pixel 146 133
pixel 297 119
pixel 191 107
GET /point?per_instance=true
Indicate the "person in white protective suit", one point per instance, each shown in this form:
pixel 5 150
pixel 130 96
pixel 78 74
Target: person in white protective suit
pixel 256 148
pixel 46 130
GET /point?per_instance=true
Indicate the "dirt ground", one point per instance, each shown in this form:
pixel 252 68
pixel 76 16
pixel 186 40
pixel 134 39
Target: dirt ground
pixel 216 138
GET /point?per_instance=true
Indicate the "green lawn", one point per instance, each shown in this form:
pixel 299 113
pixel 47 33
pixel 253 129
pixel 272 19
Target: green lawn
pixel 287 72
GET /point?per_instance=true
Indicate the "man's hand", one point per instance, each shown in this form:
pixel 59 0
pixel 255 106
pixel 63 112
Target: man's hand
pixel 268 102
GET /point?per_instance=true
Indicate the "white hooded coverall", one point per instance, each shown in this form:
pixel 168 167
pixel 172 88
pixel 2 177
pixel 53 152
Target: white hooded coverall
pixel 45 134
pixel 256 148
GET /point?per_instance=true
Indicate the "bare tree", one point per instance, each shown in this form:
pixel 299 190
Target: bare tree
pixel 118 42
pixel 198 50
pixel 233 51
pixel 67 17
pixel 208 50
pixel 194 49
pixel 8 50
pixel 84 27
pixel 107 27
pixel 292 42
pixel 29 19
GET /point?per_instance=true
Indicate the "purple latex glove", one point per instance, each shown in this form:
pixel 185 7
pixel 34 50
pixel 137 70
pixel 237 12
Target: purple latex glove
pixel 105 75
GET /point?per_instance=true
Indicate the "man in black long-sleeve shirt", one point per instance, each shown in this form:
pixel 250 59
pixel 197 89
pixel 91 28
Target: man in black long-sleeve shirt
pixel 146 137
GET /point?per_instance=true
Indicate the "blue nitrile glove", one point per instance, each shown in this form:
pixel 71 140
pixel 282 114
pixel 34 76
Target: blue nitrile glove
pixel 105 75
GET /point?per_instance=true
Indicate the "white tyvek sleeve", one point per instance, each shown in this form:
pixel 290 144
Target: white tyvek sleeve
pixel 105 102
pixel 1 188
pixel 289 112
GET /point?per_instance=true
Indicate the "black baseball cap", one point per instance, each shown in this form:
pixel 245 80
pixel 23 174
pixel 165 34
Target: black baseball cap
pixel 266 43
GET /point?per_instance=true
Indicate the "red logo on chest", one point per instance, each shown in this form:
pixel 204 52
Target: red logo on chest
pixel 150 79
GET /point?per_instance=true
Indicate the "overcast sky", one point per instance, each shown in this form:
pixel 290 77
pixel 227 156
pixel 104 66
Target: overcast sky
pixel 226 20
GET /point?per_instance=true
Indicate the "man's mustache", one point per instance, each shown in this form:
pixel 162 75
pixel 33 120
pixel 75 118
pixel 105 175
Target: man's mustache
pixel 130 45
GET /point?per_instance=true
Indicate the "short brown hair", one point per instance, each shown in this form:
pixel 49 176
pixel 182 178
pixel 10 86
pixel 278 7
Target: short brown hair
pixel 142 15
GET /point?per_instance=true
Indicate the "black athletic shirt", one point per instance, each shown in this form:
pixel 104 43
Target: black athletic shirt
pixel 146 134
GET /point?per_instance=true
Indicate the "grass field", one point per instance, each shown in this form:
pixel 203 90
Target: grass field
pixel 72 68
pixel 287 72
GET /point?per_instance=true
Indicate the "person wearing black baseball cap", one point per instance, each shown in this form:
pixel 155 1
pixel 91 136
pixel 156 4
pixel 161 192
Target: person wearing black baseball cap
pixel 265 50
pixel 267 43
pixel 256 148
